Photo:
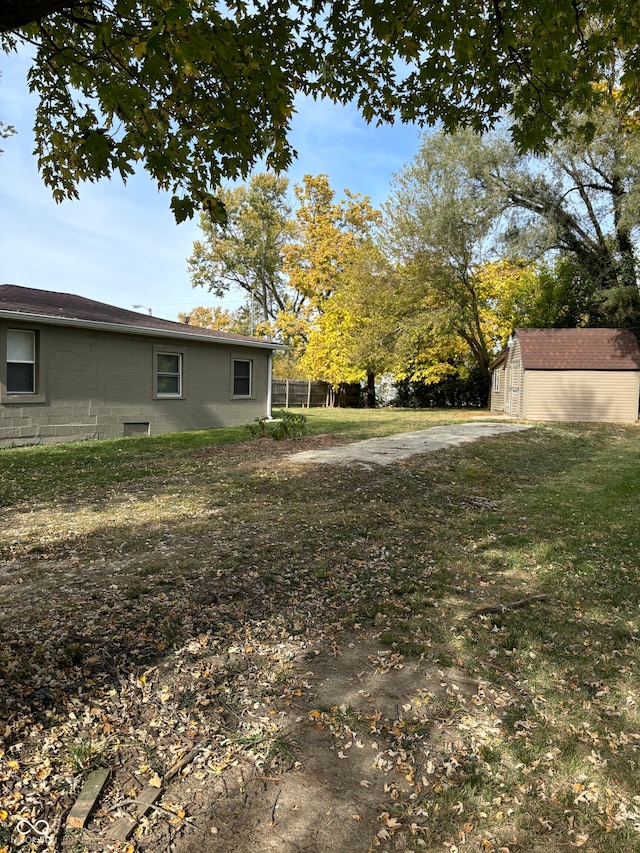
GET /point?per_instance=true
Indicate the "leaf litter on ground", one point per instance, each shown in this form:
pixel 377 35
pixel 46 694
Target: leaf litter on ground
pixel 174 622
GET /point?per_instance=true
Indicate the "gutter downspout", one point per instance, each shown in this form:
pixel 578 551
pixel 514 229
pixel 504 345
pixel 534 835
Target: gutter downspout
pixel 269 384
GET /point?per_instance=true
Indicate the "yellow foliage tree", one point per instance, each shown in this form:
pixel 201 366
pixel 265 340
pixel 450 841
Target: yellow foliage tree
pixel 216 318
pixel 451 326
pixel 328 237
pixel 333 240
pixel 352 339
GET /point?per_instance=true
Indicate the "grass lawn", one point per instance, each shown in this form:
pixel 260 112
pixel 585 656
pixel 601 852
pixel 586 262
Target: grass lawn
pixel 157 593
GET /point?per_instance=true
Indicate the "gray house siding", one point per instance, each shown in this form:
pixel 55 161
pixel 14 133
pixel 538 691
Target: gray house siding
pixel 102 384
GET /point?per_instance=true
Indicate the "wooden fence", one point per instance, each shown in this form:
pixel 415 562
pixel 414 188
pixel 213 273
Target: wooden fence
pixel 299 392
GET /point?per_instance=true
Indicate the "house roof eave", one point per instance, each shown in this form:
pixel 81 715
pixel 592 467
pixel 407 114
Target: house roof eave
pixel 120 328
pixel 499 360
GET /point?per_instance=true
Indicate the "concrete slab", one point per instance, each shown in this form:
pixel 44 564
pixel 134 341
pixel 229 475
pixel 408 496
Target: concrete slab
pixel 385 451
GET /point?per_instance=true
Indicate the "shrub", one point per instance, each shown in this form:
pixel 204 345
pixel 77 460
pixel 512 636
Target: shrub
pixel 452 392
pixel 289 425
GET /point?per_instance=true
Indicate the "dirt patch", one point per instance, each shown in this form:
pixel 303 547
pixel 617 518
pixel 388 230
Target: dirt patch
pixel 346 772
pixel 266 448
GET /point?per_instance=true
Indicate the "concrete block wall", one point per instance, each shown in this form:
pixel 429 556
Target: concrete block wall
pixel 94 383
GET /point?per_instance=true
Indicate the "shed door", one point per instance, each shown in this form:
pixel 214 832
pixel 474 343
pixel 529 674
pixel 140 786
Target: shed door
pixel 514 389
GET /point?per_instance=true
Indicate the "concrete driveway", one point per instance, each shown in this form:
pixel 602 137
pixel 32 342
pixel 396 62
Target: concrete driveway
pixel 385 451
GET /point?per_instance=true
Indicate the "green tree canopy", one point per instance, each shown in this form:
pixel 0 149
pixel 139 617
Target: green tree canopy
pixel 580 200
pixel 246 252
pixel 198 91
pixel 442 225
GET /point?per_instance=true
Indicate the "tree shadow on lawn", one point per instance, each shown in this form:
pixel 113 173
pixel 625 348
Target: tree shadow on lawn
pixel 143 637
pixel 125 659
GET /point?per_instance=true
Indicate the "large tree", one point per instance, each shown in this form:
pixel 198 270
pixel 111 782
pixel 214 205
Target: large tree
pixel 330 247
pixel 328 236
pixel 329 239
pixel 438 223
pixel 246 252
pixel 198 91
pixel 581 201
pixel 353 338
pixel 442 226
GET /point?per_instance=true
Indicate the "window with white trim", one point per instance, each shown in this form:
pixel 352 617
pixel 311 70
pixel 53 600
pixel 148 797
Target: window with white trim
pixel 169 374
pixel 21 361
pixel 242 377
pixel 496 380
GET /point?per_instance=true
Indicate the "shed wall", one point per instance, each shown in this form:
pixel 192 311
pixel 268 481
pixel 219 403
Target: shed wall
pixel 515 379
pixel 98 384
pixel 581 395
pixel 497 395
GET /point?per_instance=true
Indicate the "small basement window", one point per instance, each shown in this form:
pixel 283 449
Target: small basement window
pixel 242 377
pixel 132 429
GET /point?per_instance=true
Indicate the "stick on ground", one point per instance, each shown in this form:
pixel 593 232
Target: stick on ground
pixel 514 605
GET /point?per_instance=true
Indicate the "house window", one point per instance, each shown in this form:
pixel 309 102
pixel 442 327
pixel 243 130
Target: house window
pixel 242 377
pixel 169 374
pixel 21 362
pixel 496 380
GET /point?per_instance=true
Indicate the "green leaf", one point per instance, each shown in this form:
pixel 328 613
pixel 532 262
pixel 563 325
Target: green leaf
pixel 216 210
pixel 183 208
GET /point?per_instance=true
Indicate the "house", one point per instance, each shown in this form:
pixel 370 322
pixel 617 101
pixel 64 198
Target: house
pixel 568 375
pixel 72 368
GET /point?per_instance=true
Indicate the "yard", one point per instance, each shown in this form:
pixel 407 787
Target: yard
pixel 437 655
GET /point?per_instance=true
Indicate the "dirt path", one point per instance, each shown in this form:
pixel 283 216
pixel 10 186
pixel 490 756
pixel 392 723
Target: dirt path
pixel 346 771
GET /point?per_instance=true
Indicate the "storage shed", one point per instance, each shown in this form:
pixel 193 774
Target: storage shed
pixel 568 375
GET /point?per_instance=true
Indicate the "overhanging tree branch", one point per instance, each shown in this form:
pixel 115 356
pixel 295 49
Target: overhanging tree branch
pixel 19 13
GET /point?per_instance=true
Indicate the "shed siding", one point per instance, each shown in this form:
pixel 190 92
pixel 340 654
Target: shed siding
pixel 581 395
pixel 497 397
pixel 96 382
pixel 515 389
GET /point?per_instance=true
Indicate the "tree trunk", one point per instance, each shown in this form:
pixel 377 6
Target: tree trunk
pixel 627 265
pixel 371 391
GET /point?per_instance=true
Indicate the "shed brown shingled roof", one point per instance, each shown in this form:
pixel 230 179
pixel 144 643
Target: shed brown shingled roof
pixel 47 303
pixel 578 349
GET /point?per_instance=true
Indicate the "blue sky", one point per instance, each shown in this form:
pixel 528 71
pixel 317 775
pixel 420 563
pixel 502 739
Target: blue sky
pixel 120 243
